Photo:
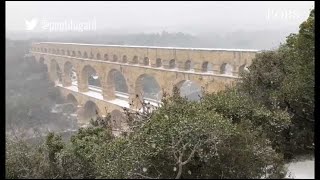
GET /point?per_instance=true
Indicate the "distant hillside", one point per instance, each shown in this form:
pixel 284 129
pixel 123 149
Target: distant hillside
pixel 263 39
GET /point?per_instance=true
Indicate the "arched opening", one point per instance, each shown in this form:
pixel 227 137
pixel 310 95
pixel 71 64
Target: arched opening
pixel 73 53
pixel 68 52
pixel 205 66
pixel 98 56
pixel 91 55
pixel 41 60
pixel 187 65
pixel 172 64
pixel 226 69
pixel 72 99
pixel 124 59
pixel 90 110
pixel 146 61
pixel 55 72
pixel 54 51
pixel 42 64
pixel 115 58
pixel 118 120
pixel 117 83
pixel 158 62
pixel 243 69
pixel 79 53
pixel 135 60
pixel 106 57
pixel 91 79
pixel 45 50
pixel 148 88
pixel 41 49
pixel 62 52
pixel 58 51
pixel 70 74
pixel 85 55
pixel 190 90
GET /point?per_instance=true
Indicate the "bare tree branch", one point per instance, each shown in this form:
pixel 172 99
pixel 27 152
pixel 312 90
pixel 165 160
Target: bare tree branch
pixel 191 154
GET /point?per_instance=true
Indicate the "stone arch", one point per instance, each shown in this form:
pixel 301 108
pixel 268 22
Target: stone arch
pixel 146 61
pixel 91 55
pixel 74 53
pixel 68 52
pixel 89 77
pixel 55 71
pixel 41 49
pixel 72 99
pixel 226 69
pixel 42 64
pixel 41 60
pixel 114 58
pixel 98 56
pixel 79 54
pixel 45 50
pixel 70 75
pixel 118 120
pixel 158 62
pixel 106 57
pixel 146 86
pixel 187 65
pixel 116 82
pixel 85 55
pixel 62 52
pixel 54 51
pixel 135 60
pixel 204 66
pixel 172 64
pixel 58 51
pixel 89 111
pixel 124 59
pixel 243 68
pixel 189 89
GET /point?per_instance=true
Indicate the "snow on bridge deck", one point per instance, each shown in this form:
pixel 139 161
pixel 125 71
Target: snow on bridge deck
pixel 152 47
pixel 97 94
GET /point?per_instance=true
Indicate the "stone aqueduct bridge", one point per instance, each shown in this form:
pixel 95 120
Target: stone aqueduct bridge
pixel 211 69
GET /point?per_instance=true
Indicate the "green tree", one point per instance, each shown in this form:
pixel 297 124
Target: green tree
pixel 184 139
pixel 285 79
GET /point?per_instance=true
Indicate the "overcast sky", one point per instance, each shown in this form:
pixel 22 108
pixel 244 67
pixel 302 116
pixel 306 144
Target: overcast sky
pixel 189 17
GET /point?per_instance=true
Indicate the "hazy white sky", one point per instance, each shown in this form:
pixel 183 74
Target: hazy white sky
pixel 190 17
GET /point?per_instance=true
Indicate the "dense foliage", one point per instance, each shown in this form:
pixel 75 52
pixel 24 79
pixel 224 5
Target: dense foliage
pixel 244 132
pixel 182 139
pixel 284 79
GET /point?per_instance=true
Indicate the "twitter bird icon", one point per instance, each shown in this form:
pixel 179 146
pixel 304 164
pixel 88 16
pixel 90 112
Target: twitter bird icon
pixel 30 25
